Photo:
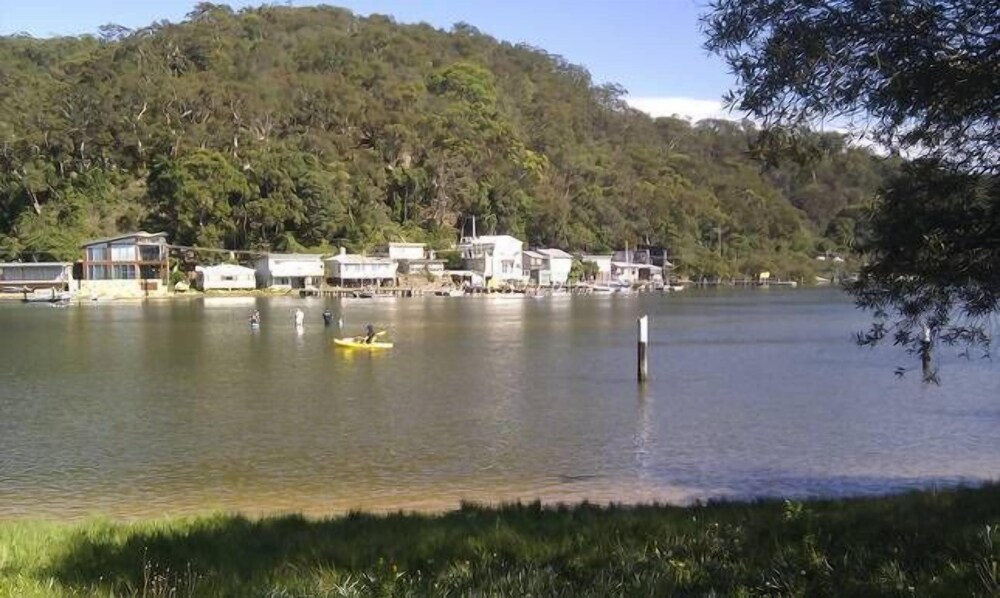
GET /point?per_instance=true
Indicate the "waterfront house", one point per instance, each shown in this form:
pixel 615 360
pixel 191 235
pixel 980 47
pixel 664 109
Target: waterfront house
pixel 289 270
pixel 413 258
pixel 603 263
pixel 644 264
pixel 534 267
pixel 466 278
pixel 498 259
pixel 353 270
pixel 406 251
pixel 636 273
pixel 226 277
pixel 547 267
pixel 130 265
pixel 558 263
pixel 17 276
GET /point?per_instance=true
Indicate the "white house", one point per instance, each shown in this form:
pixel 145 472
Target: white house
pixel 406 251
pixel 130 265
pixel 498 258
pixel 289 270
pixel 633 273
pixel 15 276
pixel 349 269
pixel 558 263
pixel 413 258
pixel 226 277
pixel 603 263
pixel 534 267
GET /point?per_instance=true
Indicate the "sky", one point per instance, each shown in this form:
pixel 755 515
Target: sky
pixel 653 48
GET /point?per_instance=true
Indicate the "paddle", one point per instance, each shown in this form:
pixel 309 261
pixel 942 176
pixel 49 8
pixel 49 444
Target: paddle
pixel 361 339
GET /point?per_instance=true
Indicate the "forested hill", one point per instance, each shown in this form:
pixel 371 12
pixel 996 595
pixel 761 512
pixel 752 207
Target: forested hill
pixel 288 128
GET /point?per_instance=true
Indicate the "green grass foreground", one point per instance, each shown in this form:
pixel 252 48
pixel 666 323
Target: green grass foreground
pixel 935 543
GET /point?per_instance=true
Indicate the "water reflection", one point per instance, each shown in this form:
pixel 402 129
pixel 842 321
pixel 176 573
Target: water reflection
pixel 176 407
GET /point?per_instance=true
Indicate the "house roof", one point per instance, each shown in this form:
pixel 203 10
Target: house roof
pixel 33 264
pixel 225 268
pixel 306 257
pixel 353 258
pixel 533 254
pixel 483 239
pixel 136 235
pixel 402 244
pixel 556 253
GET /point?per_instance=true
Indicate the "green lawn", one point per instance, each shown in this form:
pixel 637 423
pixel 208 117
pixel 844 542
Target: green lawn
pixel 944 543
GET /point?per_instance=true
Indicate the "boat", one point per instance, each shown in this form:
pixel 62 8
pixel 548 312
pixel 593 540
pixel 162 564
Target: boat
pixel 450 292
pixel 358 342
pixel 600 289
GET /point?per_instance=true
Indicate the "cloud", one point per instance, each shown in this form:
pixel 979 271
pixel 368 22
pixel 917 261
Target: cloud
pixel 691 108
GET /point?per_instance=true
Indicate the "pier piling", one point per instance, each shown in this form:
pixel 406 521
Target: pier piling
pixel 642 369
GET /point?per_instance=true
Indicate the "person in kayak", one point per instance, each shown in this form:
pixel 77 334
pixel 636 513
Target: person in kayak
pixel 369 334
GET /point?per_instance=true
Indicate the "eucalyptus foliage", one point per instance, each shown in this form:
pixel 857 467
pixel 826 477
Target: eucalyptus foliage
pixel 278 128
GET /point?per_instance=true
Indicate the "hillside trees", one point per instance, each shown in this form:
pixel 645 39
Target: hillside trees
pixel 280 128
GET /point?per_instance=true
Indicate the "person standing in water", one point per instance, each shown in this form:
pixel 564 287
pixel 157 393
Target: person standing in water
pixel 327 317
pixel 255 318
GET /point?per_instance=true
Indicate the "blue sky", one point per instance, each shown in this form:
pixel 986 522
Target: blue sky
pixel 651 47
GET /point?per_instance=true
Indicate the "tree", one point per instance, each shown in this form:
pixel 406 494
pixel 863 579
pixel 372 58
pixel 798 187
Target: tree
pixel 933 247
pixel 192 197
pixel 280 127
pixel 917 75
pixel 923 78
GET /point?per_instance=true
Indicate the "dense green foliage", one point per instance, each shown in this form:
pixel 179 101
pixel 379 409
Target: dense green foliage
pixel 282 128
pixel 933 246
pixel 920 77
pixel 943 543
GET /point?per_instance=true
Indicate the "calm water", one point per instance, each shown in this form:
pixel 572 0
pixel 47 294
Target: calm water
pixel 176 407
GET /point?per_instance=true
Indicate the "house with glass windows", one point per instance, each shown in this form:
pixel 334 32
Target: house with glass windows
pixel 130 265
pixel 499 259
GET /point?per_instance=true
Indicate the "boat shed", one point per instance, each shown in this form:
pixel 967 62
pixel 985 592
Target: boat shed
pixel 226 277
pixel 17 276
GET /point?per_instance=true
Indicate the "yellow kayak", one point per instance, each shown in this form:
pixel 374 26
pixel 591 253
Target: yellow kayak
pixel 358 342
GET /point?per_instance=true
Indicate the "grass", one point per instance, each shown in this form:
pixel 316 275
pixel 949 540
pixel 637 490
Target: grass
pixel 934 543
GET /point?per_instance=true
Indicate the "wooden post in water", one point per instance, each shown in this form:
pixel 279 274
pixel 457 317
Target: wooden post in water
pixel 642 369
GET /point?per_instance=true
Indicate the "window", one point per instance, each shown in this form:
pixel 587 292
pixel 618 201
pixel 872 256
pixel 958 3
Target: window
pixel 149 253
pixel 97 254
pixel 124 272
pixel 228 278
pixel 122 252
pixel 98 272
